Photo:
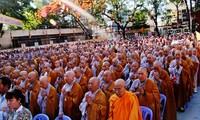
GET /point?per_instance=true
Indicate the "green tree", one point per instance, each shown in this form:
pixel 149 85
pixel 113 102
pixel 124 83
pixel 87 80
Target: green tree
pixel 20 9
pixel 167 16
pixel 154 9
pixel 122 12
pixel 139 20
pixel 41 3
pixel 31 21
pixel 177 4
pixel 188 13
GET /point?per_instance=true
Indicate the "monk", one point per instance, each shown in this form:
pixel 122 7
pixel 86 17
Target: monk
pixel 33 91
pixel 162 79
pixel 70 97
pixel 59 83
pixel 122 61
pixel 81 79
pixel 166 59
pixel 107 85
pixel 106 66
pixel 94 104
pixel 178 68
pixel 70 66
pixel 133 74
pixel 117 68
pixel 15 77
pixel 50 73
pixel 96 65
pixel 196 66
pixel 127 68
pixel 47 98
pixel 149 63
pixel 147 92
pixel 23 82
pixel 191 71
pixel 86 70
pixel 119 101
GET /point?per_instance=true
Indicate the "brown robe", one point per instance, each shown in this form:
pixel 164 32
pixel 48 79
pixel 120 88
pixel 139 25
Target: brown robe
pixel 110 90
pixel 168 90
pixel 84 83
pixel 118 72
pixel 53 77
pixel 180 91
pixel 188 65
pixel 114 78
pixel 98 110
pixel 151 98
pixel 60 85
pixel 123 63
pixel 34 107
pixel 71 102
pixel 88 73
pixel 52 104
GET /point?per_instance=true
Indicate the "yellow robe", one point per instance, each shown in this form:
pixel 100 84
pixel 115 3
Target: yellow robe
pixel 124 108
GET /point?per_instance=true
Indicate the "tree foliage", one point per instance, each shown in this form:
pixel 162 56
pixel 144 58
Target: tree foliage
pixel 177 4
pixel 19 9
pixel 139 20
pixel 122 12
pixel 154 9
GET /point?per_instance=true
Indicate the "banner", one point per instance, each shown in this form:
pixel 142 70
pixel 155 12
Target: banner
pixel 9 20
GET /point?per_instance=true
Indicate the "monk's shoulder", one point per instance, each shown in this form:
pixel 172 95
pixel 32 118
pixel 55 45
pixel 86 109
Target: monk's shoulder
pixel 150 82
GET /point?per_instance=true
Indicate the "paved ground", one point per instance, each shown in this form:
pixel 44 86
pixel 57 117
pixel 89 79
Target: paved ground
pixel 193 110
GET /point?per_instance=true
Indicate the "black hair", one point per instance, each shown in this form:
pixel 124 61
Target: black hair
pixel 15 93
pixel 5 81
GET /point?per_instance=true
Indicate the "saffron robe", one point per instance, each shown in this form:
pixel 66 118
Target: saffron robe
pixel 124 108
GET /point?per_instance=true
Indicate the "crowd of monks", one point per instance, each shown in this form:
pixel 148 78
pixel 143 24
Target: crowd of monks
pixel 85 80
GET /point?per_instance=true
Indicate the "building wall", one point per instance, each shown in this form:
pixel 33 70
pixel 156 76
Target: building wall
pixel 6 39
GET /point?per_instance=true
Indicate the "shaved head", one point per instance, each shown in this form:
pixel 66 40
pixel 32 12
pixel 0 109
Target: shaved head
pixel 93 84
pixel 32 77
pixel 157 63
pixel 44 81
pixel 120 82
pixel 120 87
pixel 69 77
pixel 142 74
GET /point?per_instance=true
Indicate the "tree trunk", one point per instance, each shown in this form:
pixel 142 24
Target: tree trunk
pixel 1 26
pixel 191 11
pixel 188 14
pixel 156 29
pixel 118 28
pixel 124 33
